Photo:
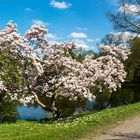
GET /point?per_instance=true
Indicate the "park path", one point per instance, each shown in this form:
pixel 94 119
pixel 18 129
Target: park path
pixel 125 130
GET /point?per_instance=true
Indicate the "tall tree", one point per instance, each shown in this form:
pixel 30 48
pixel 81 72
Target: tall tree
pixel 51 71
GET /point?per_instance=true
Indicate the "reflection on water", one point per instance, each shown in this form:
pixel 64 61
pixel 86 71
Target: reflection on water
pixel 32 113
pixel 127 95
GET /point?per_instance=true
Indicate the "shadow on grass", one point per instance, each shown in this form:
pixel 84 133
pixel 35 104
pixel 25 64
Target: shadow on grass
pixel 10 119
pixel 124 136
pixel 65 119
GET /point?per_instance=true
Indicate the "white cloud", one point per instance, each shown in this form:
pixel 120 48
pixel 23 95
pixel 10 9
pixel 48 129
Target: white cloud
pixel 130 9
pixel 83 46
pixel 28 9
pixel 123 37
pixel 60 5
pixel 39 22
pixel 52 36
pixel 76 35
pixel 80 41
pixel 52 42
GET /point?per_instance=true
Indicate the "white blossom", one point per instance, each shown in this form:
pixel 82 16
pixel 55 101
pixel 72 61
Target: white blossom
pixel 48 70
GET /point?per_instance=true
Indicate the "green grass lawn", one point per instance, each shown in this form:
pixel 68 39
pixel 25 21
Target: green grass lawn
pixel 67 129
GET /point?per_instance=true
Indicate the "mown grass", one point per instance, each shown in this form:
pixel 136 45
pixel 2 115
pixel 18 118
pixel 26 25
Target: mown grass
pixel 66 129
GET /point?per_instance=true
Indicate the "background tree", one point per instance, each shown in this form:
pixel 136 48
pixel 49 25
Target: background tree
pixel 128 17
pixel 133 62
pixel 127 20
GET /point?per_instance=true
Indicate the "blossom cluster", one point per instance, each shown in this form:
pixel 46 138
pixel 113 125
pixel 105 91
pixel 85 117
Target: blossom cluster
pixel 52 70
pixel 119 52
pixel 2 87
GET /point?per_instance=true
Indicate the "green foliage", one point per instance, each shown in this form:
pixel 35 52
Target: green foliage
pixel 133 63
pixel 8 112
pixel 10 70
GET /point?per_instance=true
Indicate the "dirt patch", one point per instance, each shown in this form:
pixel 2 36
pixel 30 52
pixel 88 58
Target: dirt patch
pixel 125 130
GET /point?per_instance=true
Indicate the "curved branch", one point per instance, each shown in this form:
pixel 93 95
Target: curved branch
pixel 38 101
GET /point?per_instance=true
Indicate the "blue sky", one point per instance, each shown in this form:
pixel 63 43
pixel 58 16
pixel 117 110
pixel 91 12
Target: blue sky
pixel 84 21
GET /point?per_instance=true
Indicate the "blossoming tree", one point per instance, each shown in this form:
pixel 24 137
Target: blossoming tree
pixel 52 70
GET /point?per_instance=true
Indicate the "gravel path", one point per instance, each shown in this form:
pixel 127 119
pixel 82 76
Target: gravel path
pixel 126 130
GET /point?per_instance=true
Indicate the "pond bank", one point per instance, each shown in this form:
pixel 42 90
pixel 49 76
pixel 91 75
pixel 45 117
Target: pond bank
pixel 67 129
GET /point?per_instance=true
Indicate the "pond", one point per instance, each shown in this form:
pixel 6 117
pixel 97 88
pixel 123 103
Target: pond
pixel 32 113
pixel 130 93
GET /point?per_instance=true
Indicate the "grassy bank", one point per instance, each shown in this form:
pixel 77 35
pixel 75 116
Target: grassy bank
pixel 68 129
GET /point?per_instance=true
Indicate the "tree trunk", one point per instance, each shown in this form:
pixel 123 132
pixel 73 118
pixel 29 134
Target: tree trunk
pixel 110 99
pixel 45 107
pixel 55 110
